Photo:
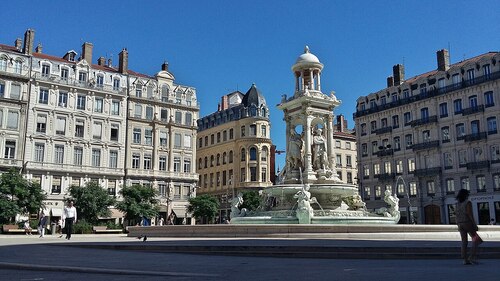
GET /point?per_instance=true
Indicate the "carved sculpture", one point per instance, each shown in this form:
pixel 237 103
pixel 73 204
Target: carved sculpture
pixel 304 210
pixel 236 202
pixel 320 156
pixel 294 155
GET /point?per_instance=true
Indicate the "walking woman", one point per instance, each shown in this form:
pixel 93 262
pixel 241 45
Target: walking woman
pixel 467 225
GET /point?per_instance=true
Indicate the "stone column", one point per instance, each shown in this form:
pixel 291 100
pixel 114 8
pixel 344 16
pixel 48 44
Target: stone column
pixel 296 82
pixel 302 88
pixel 308 173
pixel 312 79
pixel 319 81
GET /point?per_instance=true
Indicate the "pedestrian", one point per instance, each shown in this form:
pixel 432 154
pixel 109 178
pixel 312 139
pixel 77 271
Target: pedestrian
pixel 467 225
pixel 160 221
pixel 69 216
pixel 42 223
pixel 492 222
pixel 27 227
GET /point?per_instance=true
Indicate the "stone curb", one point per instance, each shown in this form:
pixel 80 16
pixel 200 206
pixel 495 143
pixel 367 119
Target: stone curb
pixel 37 267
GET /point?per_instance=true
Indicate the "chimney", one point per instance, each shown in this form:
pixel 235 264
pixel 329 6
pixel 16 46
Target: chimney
pixel 101 61
pixel 29 38
pixel 398 72
pixel 341 123
pixel 39 48
pixel 87 52
pixel 18 44
pixel 123 61
pixel 443 59
pixel 390 81
pixel 110 63
pixel 164 66
pixel 225 102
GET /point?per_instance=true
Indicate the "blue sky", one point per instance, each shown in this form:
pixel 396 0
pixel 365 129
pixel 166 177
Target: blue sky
pixel 222 46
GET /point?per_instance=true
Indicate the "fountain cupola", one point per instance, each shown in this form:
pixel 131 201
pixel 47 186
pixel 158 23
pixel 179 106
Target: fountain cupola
pixel 307 70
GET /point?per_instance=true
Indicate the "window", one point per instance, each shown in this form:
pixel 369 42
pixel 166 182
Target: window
pixel 424 113
pixel 61 125
pixel 366 171
pixel 408 141
pixel 253 154
pixel 187 165
pixel 413 189
pixel 263 154
pixel 399 166
pixel 348 145
pixel 488 99
pixel 163 138
pixel 363 129
pixel 138 90
pixel 78 156
pixel 99 81
pixel 263 131
pixel 253 130
pixel 177 140
pixel 177 164
pixel 364 149
pixel 56 185
pixel 224 136
pixel 41 123
pixel 63 99
pixel 407 118
pixel 231 134
pixel 411 164
pixel 462 157
pixel 43 96
pixel 423 89
pixel 474 127
pixel 431 188
pixel 149 113
pixel 445 134
pixel 253 173
pixel 481 183
pixel 113 159
pixel 3 64
pixel 64 73
pixel 426 135
pixel 373 104
pixel 373 126
pixel 374 147
pixel 115 107
pixel 387 167
pixel 470 75
pixel 10 150
pixel 96 157
pixel 457 105
pixel 187 141
pixel 45 70
pixel 441 83
pixel 448 160
pixel 12 120
pixel 162 165
pixel 395 121
pixel 138 111
pixel 230 160
pixel 243 155
pixel 218 137
pixel 39 152
pixel 136 137
pixel 80 102
pixel 378 192
pixel 487 71
pixel 337 144
pixel 406 93
pixel 2 89
pixel 495 153
pixel 148 137
pixel 496 182
pixel 116 84
pixel 178 117
pixel 212 139
pixel 450 186
pixel 492 125
pixel 242 131
pixel 98 105
pixel 18 66
pixel 460 131
pixel 465 183
pixel 367 193
pixel 82 76
pixel 455 78
pixel 15 91
pixel 79 128
pixel 376 169
pixel 188 119
pixel 147 162
pixel 338 159
pixel 97 130
pixel 383 100
pixel 136 161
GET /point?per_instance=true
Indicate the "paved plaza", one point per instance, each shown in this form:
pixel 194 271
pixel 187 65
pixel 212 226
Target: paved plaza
pixel 124 258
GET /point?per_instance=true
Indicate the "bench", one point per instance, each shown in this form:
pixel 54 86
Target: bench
pixel 13 228
pixel 104 229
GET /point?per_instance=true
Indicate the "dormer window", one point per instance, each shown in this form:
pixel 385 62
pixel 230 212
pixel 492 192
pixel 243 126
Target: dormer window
pixel 45 70
pixel 71 56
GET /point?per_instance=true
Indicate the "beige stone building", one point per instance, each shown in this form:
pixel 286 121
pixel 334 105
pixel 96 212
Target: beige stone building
pixel 234 147
pixel 426 137
pixel 345 151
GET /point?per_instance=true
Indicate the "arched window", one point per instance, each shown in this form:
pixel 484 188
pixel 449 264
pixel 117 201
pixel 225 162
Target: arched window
pixel 206 162
pixel 243 154
pixel 231 156
pixel 264 112
pixel 253 153
pixel 224 158
pixel 200 163
pixel 212 160
pixel 263 154
pixel 253 111
pixel 218 159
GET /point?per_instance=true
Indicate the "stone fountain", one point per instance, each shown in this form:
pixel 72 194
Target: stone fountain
pixel 309 190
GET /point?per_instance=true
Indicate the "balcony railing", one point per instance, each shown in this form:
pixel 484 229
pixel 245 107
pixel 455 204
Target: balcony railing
pixel 77 83
pixel 11 162
pixel 423 121
pixel 385 152
pixel 478 165
pixel 428 172
pixel 12 71
pixel 429 94
pixel 425 145
pixel 383 130
pixel 73 168
pixel 472 110
pixel 476 137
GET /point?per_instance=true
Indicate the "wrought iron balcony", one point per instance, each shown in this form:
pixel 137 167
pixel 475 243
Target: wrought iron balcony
pixel 472 110
pixel 385 176
pixel 429 94
pixel 383 130
pixel 428 172
pixel 385 152
pixel 476 137
pixel 425 145
pixel 424 121
pixel 478 165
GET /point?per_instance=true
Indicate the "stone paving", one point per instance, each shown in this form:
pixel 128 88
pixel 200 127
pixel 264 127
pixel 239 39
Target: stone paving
pixel 31 258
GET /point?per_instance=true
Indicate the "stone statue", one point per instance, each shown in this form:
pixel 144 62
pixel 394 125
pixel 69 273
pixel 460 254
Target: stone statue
pixel 320 156
pixel 393 202
pixel 236 202
pixel 304 210
pixel 294 153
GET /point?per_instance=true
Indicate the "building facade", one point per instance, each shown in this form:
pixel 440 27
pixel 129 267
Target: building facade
pixel 345 151
pixel 426 137
pixel 77 122
pixel 234 148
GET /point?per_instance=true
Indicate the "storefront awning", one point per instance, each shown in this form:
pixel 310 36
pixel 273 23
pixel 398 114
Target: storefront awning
pixel 55 212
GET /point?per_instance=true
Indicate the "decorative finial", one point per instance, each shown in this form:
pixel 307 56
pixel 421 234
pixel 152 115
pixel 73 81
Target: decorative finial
pixel 306 49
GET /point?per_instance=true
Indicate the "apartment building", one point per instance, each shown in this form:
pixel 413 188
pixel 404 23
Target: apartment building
pixel 426 137
pixel 345 151
pixel 234 148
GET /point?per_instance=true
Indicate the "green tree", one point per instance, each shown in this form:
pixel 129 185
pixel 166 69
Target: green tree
pixel 91 201
pixel 204 206
pixel 251 200
pixel 138 200
pixel 18 196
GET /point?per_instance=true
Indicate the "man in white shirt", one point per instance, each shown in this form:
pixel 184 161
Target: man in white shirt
pixel 69 217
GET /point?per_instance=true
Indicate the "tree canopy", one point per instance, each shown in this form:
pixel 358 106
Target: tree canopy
pixel 91 201
pixel 204 206
pixel 251 200
pixel 18 196
pixel 138 200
